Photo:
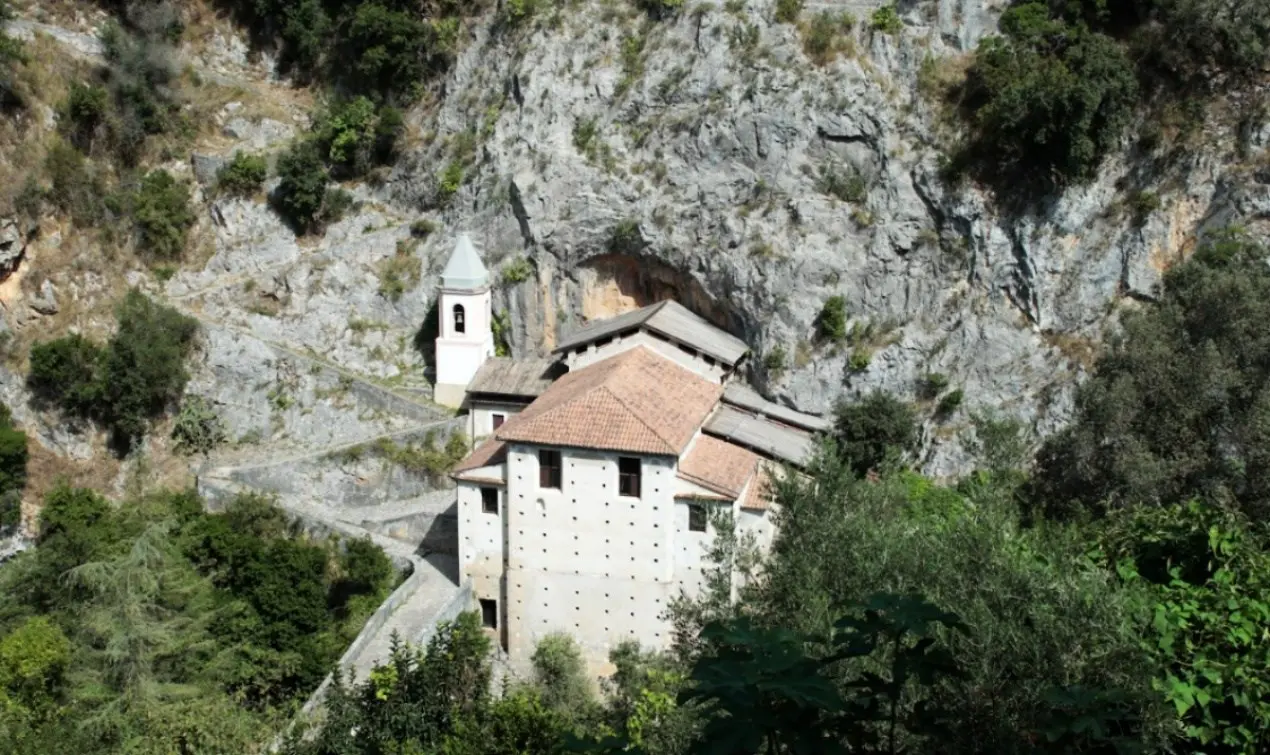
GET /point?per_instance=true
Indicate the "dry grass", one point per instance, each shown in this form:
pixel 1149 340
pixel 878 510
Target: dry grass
pixel 1076 348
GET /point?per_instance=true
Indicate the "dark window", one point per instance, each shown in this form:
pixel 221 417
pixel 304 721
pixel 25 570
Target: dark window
pixel 602 342
pixel 460 319
pixel 499 419
pixel 549 469
pixel 628 471
pixel 489 500
pixel 489 613
pixel 696 517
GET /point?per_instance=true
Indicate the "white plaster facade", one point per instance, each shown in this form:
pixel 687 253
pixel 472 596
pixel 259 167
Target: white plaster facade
pixel 465 336
pixel 481 415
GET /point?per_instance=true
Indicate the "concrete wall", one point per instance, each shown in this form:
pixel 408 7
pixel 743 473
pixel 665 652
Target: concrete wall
pixel 481 416
pixel 585 560
pixel 697 363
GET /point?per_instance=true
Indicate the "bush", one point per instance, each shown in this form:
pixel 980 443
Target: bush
pixel 1179 405
pixel 134 378
pixel 138 76
pixel 11 54
pixel 87 107
pixel 775 362
pixel 831 323
pixel 198 428
pixel 13 459
pixel 301 187
pixel 422 228
pixel 886 20
pixel 823 36
pixel 67 372
pixel 950 403
pixel 518 270
pixel 787 11
pixel 875 433
pixel 161 210
pixel 1046 101
pixel 560 674
pixel 848 186
pixel 399 272
pixel 243 175
pixel 355 136
pixel 451 179
pixel 931 385
pixel 76 189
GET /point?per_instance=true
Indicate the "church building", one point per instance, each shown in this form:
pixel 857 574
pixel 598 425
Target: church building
pixel 588 503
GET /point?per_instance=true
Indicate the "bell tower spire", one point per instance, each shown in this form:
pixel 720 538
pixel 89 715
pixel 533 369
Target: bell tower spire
pixel 465 333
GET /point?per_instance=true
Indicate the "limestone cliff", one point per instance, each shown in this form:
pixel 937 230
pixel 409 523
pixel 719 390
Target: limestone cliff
pixel 703 157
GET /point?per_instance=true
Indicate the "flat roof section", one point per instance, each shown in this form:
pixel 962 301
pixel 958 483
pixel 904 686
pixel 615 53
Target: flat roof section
pixel 772 439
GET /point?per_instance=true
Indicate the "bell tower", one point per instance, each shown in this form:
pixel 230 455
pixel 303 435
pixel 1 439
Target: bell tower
pixel 465 333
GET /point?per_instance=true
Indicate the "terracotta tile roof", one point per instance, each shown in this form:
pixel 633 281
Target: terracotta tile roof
pixel 718 465
pixel 759 496
pixel 636 401
pixel 488 453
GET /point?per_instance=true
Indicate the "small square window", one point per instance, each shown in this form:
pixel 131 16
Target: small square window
pixel 499 419
pixel 696 517
pixel 489 613
pixel 628 476
pixel 489 500
pixel 549 469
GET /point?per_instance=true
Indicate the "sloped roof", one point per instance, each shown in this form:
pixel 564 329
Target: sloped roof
pixel 773 439
pixel 491 452
pixel 745 397
pixel 669 319
pixel 465 269
pixel 524 378
pixel 759 496
pixel 635 401
pixel 718 465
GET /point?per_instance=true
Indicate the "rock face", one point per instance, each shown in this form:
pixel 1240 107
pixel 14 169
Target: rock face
pixel 702 157
pixel 704 167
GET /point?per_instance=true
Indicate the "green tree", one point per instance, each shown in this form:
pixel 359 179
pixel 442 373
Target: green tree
pixel 1178 406
pixel 1047 100
pixel 34 658
pixel 302 185
pixel 66 371
pixel 560 675
pixel 876 432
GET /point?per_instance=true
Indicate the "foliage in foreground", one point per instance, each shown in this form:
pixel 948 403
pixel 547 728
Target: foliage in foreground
pixel 131 628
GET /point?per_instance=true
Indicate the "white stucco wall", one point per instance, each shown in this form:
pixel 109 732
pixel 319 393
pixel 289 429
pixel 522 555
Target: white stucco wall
pixel 697 363
pixel 585 560
pixel 460 355
pixel 481 416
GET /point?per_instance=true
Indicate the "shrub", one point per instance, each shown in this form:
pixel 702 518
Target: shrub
pixel 860 359
pixel 775 361
pixel 1046 101
pixel 931 385
pixel 560 674
pixel 198 428
pixel 876 432
pixel 336 203
pixel 399 272
pixel 831 323
pixel 11 54
pixel 76 188
pixel 823 36
pixel 848 186
pixel 661 9
pixel 518 270
pixel 517 12
pixel 451 179
pixel 388 48
pixel 950 403
pixel 243 175
pixel 787 10
pixel 886 20
pixel 355 135
pixel 66 372
pixel 1141 204
pixel 133 379
pixel 301 187
pixel 422 228
pixel 139 73
pixel 626 237
pixel 584 135
pixel 161 211
pixel 13 459
pixel 87 107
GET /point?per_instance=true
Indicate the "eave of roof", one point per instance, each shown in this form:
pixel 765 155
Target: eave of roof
pixel 670 320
